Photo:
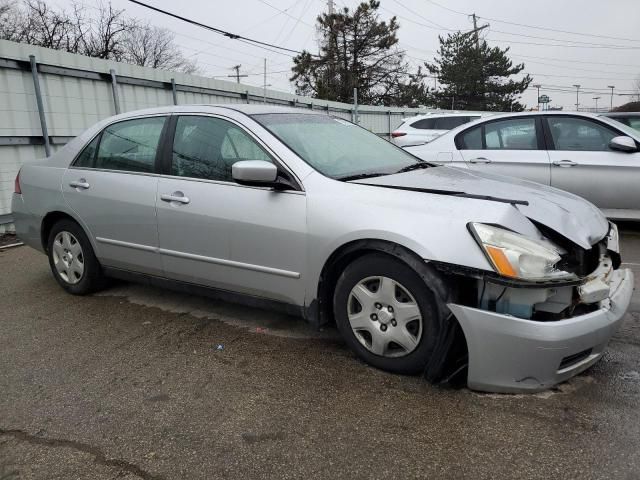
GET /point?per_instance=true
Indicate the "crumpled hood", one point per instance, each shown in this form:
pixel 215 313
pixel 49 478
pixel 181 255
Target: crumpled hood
pixel 569 215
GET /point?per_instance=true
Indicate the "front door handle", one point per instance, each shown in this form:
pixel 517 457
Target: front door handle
pixel 175 197
pixel 564 163
pixel 81 184
pixel 480 160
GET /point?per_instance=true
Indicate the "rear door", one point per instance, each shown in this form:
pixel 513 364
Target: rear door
pixel 218 233
pixel 510 146
pixel 584 164
pixel 112 187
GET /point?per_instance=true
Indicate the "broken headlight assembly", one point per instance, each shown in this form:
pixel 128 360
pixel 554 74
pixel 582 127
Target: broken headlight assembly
pixel 515 256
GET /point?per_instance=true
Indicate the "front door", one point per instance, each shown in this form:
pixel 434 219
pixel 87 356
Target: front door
pixel 112 188
pixel 512 147
pixel 218 233
pixel 584 164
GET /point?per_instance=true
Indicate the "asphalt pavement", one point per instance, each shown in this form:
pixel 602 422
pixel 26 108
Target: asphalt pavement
pixel 137 382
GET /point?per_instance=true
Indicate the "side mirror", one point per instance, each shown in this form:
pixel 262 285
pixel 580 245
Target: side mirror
pixel 623 144
pixel 255 173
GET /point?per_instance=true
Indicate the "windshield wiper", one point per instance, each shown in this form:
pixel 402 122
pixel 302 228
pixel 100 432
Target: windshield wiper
pixel 415 166
pixel 360 176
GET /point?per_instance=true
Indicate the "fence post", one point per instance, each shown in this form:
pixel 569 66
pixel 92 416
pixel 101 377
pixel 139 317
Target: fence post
pixel 247 94
pixel 43 120
pixel 114 88
pixel 389 122
pixel 355 118
pixel 174 91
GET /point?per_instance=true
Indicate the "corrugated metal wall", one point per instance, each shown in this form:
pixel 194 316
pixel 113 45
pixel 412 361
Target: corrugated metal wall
pixel 77 92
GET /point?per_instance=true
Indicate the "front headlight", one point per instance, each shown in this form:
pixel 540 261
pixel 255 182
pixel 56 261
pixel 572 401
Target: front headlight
pixel 516 256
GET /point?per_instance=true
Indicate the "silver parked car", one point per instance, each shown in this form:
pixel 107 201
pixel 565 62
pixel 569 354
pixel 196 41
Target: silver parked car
pixel 592 156
pixel 424 268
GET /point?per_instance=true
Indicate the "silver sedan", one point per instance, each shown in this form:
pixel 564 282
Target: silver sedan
pixel 511 285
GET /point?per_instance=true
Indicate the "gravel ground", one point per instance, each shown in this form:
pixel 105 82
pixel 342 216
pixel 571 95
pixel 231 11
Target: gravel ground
pixel 142 383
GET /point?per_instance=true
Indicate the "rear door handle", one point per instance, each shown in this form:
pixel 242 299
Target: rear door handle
pixel 480 160
pixel 564 163
pixel 81 184
pixel 175 197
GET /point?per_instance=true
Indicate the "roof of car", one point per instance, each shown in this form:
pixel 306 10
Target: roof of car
pixel 447 114
pixel 621 114
pixel 247 109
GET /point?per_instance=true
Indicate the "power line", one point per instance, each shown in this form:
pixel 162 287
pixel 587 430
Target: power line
pixel 601 45
pixel 285 12
pixel 535 26
pixel 574 76
pixel 233 36
pixel 503 40
pixel 420 16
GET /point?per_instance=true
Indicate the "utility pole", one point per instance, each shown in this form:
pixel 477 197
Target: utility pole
pixel 264 83
pixel 475 29
pixel 537 86
pixel 611 87
pixel 237 74
pixel 330 5
pixel 596 99
pixel 577 97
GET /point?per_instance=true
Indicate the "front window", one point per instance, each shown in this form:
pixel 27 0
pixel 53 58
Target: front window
pixel 579 134
pixel 207 148
pixel 335 147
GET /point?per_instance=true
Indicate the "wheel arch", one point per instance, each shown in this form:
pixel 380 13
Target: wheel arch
pixel 51 218
pixel 453 345
pixel 343 256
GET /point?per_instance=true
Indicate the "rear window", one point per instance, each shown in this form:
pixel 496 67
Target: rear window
pixel 425 124
pixel 449 123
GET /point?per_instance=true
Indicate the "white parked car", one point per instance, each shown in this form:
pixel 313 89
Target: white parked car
pixel 425 128
pixel 592 156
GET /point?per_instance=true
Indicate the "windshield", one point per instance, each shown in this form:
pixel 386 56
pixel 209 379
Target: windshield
pixel 335 147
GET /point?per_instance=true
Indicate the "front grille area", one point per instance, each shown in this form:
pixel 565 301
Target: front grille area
pixel 571 360
pixel 580 261
pixel 577 260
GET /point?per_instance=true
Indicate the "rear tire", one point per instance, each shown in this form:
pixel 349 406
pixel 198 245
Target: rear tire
pixel 388 313
pixel 72 260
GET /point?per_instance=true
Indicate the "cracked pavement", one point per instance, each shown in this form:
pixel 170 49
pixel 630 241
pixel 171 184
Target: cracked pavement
pixel 141 383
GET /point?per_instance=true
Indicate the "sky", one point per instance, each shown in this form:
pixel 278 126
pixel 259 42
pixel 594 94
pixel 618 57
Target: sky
pixel 591 43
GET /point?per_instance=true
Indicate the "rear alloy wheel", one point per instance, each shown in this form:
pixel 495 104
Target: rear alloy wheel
pixel 390 315
pixel 72 261
pixel 68 257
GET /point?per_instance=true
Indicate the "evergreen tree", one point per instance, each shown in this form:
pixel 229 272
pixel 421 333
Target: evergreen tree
pixel 475 76
pixel 358 50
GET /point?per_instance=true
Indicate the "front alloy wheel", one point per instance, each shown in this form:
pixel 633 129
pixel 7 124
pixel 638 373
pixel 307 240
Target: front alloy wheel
pixel 384 317
pixel 389 314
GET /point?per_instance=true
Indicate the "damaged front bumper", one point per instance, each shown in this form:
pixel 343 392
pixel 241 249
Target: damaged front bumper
pixel 510 354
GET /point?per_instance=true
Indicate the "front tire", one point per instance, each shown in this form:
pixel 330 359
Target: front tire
pixel 388 314
pixel 72 260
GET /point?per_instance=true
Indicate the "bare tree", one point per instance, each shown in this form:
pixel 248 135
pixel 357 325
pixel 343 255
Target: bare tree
pixel 105 34
pixel 150 46
pixel 109 34
pixel 12 21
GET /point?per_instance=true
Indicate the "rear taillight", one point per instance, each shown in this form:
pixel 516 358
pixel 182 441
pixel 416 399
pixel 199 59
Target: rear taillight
pixel 16 187
pixel 398 134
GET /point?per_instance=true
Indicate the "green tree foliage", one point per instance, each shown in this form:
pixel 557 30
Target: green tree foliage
pixel 358 50
pixel 474 76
